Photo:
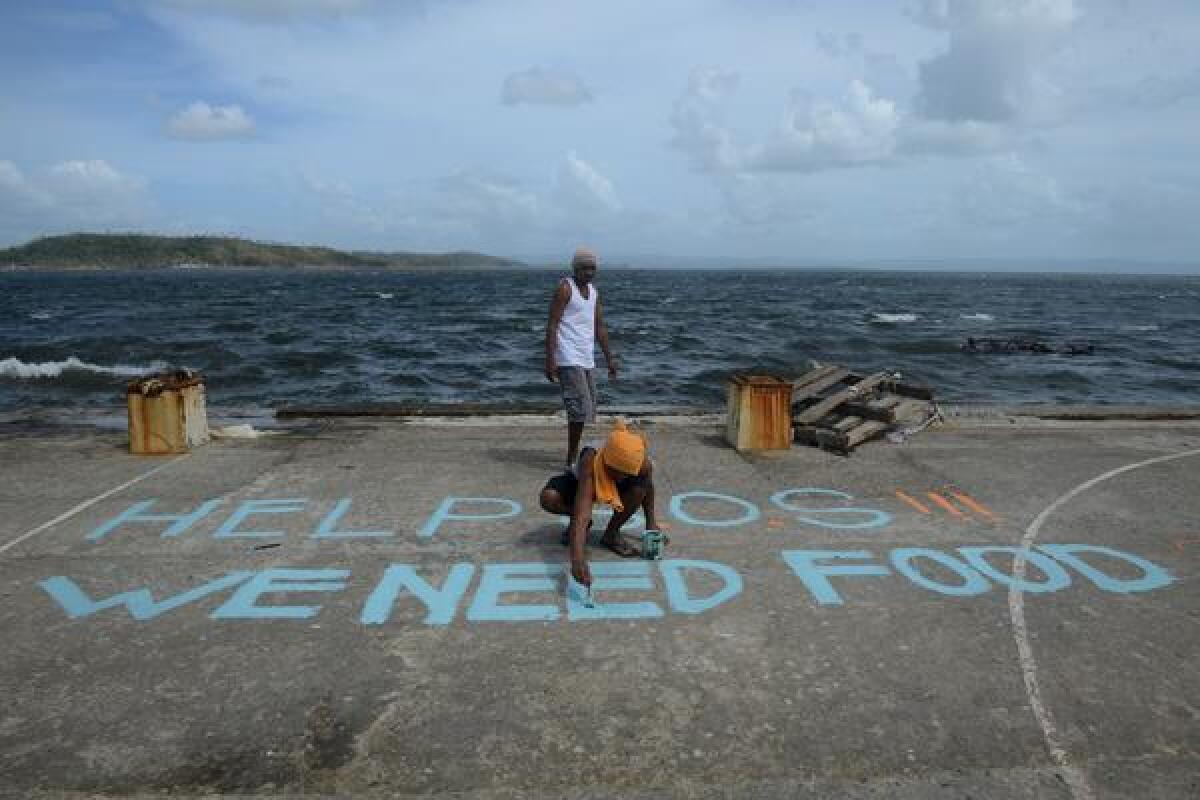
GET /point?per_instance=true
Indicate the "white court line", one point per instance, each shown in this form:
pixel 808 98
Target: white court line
pixel 1073 775
pixel 86 504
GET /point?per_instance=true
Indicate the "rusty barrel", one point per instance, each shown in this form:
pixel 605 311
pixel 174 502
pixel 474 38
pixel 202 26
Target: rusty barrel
pixel 759 413
pixel 166 413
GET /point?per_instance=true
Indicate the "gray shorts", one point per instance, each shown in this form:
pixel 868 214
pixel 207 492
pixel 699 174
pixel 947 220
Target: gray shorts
pixel 579 393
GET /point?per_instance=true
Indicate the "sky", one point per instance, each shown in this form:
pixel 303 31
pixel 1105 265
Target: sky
pixel 787 131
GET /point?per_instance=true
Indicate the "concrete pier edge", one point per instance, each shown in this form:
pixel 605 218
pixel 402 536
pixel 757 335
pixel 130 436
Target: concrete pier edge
pixel 1095 412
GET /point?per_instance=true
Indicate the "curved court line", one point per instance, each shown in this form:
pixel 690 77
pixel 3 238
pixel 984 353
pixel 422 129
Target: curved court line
pixel 1074 776
pixel 86 504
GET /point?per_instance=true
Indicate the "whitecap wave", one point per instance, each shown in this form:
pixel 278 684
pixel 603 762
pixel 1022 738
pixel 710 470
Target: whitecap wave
pixel 16 368
pixel 877 316
pixel 978 317
pixel 41 315
pixel 384 295
pixel 1139 328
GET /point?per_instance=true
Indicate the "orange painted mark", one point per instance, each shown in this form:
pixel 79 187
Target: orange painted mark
pixel 944 503
pixel 973 504
pixel 774 523
pixel 1179 545
pixel 912 502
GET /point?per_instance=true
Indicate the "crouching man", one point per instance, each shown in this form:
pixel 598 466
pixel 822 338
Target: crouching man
pixel 617 474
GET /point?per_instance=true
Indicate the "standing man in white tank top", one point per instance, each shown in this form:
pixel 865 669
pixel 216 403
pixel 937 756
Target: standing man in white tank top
pixel 575 326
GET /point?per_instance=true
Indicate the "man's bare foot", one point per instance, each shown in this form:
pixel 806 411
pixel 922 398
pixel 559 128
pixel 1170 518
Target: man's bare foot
pixel 616 543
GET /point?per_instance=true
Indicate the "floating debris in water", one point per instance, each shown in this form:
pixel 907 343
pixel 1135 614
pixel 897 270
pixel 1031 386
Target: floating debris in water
pixel 1024 344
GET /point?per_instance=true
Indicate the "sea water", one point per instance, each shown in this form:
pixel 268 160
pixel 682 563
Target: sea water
pixel 265 339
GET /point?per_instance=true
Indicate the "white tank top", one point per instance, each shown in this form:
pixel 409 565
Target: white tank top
pixel 576 342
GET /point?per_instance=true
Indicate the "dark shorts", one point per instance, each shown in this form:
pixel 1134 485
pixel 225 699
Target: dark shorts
pixel 566 485
pixel 579 393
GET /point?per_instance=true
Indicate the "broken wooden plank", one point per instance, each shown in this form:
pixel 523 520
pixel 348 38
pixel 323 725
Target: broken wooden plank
pixel 824 406
pixel 863 432
pixel 883 409
pixel 814 374
pixel 903 389
pixel 837 375
pixel 843 437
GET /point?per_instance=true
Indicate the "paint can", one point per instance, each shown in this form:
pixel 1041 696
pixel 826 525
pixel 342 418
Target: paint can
pixel 652 545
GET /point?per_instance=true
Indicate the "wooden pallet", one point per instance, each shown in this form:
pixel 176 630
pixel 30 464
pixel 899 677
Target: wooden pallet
pixel 837 409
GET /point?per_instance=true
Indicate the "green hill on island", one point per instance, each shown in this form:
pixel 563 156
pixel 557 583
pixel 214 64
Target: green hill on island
pixel 142 251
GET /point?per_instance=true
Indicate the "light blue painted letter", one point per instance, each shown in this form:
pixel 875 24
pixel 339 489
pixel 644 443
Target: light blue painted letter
pixel 442 603
pixel 857 517
pixel 497 581
pixel 1153 577
pixel 134 514
pixel 803 563
pixel 973 583
pixel 328 527
pixel 749 510
pixel 609 576
pixel 682 602
pixel 139 602
pixel 443 512
pixel 241 605
pixel 228 529
pixel 1056 577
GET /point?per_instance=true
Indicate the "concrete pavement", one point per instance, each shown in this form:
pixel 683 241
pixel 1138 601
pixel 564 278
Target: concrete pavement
pixel 360 608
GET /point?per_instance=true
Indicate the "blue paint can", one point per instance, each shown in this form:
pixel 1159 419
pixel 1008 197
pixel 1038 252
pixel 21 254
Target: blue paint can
pixel 652 545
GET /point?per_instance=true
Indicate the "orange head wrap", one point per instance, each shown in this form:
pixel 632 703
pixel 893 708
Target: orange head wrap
pixel 623 451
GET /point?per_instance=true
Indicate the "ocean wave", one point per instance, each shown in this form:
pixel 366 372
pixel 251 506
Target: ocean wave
pixel 978 317
pixel 41 316
pixel 384 295
pixel 16 368
pixel 877 316
pixel 1139 328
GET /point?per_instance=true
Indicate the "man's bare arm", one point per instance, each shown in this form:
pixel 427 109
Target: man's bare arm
pixel 602 339
pixel 557 305
pixel 581 514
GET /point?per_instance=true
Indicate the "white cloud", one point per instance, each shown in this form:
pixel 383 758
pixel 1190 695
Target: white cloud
pixel 989 72
pixel 485 205
pixel 538 86
pixel 200 121
pixel 696 118
pixel 94 191
pixel 820 135
pixel 70 194
pixel 861 128
pixel 583 190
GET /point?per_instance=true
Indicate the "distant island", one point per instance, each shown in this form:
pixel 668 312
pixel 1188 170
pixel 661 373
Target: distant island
pixel 144 251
